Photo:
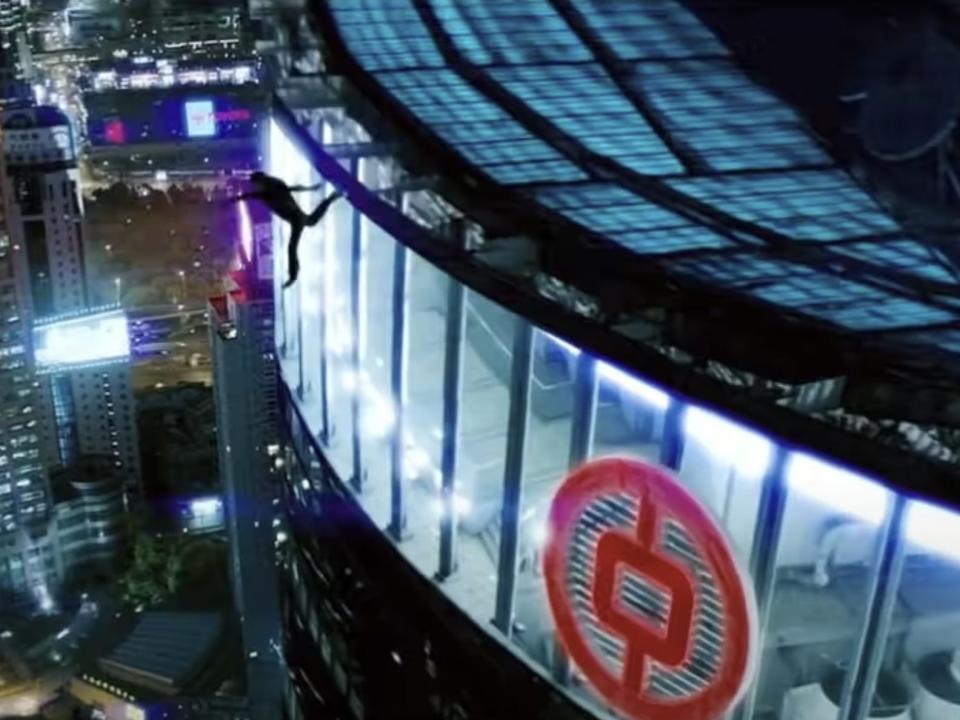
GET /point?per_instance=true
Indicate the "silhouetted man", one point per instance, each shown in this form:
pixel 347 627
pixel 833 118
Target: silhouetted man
pixel 276 195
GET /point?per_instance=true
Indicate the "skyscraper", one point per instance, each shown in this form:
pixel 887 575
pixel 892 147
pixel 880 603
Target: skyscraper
pixel 13 17
pixel 15 58
pixel 241 332
pixel 86 356
pixel 44 211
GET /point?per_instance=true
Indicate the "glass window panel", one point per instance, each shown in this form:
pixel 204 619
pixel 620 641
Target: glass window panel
pixel 921 653
pixel 375 335
pixel 306 297
pixel 628 421
pixel 484 409
pixel 723 464
pixel 426 315
pixel 546 463
pixel 289 164
pixel 630 416
pixel 825 563
pixel 339 335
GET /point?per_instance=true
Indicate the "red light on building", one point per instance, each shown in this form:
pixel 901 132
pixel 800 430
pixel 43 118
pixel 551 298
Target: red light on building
pixel 239 114
pixel 115 132
pixel 646 594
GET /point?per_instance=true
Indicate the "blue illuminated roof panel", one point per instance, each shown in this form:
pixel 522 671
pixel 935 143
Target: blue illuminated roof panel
pixel 728 121
pixel 649 30
pixel 907 255
pixel 818 205
pixel 583 102
pixel 530 100
pixel 627 218
pixel 480 130
pixel 385 34
pixel 509 33
pixel 839 300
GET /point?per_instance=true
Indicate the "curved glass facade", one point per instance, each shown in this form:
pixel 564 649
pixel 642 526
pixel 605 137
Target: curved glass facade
pixel 429 431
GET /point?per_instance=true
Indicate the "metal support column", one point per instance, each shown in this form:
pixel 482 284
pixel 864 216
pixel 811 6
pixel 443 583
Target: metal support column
pixel 452 384
pixel 398 391
pixel 324 370
pixel 865 667
pixel 356 479
pixel 301 384
pixel 581 447
pixel 763 555
pixel 671 448
pixel 517 422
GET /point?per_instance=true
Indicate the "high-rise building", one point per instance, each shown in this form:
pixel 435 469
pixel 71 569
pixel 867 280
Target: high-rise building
pixel 212 27
pixel 65 372
pixel 45 223
pixel 241 337
pixel 13 16
pixel 87 525
pixel 85 357
pixel 44 209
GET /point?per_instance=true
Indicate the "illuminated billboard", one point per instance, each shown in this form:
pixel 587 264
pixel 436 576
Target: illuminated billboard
pixel 70 342
pixel 202 514
pixel 201 120
pixel 119 117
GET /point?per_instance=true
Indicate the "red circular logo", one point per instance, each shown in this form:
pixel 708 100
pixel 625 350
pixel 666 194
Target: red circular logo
pixel 646 594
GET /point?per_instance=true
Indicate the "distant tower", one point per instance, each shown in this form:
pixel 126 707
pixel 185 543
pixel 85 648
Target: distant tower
pixel 16 64
pixel 13 22
pixel 44 208
pixel 26 442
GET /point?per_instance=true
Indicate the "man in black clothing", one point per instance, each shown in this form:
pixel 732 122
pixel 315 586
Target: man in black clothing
pixel 278 197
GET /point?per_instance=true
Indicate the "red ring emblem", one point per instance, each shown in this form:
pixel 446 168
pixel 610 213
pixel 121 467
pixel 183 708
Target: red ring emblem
pixel 647 596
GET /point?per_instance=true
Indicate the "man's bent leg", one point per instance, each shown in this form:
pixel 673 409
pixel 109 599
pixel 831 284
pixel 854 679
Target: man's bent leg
pixel 293 262
pixel 315 217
